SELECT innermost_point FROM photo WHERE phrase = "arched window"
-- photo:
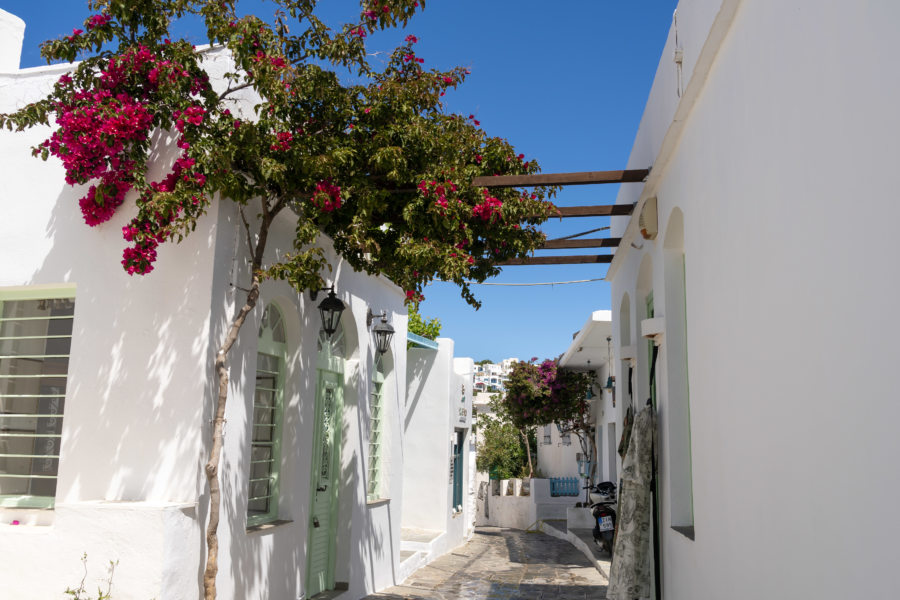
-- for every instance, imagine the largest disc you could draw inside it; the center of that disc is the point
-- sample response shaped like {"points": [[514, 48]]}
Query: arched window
{"points": [[265, 441]]}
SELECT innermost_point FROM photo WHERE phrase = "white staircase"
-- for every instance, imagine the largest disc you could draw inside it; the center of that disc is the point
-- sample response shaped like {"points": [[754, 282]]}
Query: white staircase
{"points": [[417, 549]]}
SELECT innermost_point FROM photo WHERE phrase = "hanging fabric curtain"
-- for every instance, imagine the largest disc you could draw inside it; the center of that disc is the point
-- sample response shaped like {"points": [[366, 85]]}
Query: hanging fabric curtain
{"points": [[633, 556], [629, 575]]}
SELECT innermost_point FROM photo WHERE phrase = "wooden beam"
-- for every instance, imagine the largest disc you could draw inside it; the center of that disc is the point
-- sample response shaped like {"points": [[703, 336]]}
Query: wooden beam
{"points": [[583, 178], [602, 210], [560, 260], [582, 243]]}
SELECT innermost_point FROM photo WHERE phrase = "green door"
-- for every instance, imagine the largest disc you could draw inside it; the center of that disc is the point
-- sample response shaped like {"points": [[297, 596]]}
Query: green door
{"points": [[326, 461]]}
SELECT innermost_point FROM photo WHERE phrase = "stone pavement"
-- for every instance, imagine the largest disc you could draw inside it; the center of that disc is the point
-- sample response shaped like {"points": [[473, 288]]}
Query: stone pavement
{"points": [[504, 564]]}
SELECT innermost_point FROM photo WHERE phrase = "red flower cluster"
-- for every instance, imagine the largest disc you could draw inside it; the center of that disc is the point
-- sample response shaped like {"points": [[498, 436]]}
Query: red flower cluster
{"points": [[284, 141], [98, 21], [97, 131], [93, 134], [439, 190], [327, 197], [488, 209]]}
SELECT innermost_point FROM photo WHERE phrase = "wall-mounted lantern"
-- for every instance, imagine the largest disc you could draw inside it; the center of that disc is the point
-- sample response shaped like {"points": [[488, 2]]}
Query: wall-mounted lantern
{"points": [[383, 331], [330, 308]]}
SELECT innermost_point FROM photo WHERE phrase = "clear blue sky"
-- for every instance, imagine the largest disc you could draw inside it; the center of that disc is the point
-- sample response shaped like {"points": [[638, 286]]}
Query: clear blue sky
{"points": [[565, 82]]}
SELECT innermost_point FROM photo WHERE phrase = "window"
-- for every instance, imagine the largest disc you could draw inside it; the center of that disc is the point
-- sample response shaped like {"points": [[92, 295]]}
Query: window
{"points": [[546, 435], [456, 470], [35, 339], [376, 431], [265, 444]]}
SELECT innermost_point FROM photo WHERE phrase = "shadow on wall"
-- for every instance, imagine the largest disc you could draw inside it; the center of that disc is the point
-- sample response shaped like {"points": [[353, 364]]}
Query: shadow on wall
{"points": [[270, 563], [140, 366], [419, 364], [371, 539]]}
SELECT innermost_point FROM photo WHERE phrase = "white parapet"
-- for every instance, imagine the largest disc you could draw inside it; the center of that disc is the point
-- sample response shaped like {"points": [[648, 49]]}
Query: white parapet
{"points": [[12, 33]]}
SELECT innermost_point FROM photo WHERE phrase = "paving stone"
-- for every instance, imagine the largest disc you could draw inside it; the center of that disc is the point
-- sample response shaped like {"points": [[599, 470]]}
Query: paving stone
{"points": [[504, 564]]}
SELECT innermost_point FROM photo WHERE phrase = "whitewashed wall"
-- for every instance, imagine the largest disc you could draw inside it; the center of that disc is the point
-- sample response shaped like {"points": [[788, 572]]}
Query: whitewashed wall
{"points": [[779, 163], [140, 394]]}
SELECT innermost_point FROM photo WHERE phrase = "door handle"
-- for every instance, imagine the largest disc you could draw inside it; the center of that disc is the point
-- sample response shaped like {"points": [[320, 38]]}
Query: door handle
{"points": [[322, 488], [315, 521]]}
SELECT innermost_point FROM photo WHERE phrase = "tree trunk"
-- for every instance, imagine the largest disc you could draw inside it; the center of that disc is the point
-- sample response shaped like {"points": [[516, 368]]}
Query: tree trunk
{"points": [[593, 457], [528, 453], [212, 466], [221, 367]]}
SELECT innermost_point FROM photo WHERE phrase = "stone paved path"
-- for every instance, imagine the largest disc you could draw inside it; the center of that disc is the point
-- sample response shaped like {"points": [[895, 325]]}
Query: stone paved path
{"points": [[504, 564]]}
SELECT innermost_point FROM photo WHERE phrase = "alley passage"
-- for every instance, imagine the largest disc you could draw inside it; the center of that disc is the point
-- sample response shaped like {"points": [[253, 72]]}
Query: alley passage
{"points": [[504, 564]]}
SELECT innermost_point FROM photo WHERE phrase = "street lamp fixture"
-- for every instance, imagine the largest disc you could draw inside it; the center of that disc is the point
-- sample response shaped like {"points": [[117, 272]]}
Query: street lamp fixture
{"points": [[330, 308], [383, 331]]}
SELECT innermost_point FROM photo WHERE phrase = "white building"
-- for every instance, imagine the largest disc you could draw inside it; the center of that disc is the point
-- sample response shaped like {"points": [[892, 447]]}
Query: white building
{"points": [[491, 377], [439, 453], [107, 390], [772, 132], [559, 452]]}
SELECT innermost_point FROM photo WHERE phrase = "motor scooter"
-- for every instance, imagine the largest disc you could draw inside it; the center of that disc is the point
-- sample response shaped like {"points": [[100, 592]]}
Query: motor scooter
{"points": [[603, 496]]}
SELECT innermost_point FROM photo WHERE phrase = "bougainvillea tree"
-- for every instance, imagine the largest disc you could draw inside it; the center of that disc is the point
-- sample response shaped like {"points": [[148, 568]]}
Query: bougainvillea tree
{"points": [[378, 165], [542, 394]]}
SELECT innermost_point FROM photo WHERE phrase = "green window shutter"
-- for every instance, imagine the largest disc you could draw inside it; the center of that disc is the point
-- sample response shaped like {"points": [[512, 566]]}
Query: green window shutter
{"points": [[376, 432], [35, 341], [265, 439], [456, 468]]}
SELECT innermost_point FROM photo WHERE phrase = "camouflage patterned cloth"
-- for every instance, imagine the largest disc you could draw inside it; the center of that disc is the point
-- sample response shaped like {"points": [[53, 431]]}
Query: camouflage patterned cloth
{"points": [[629, 574]]}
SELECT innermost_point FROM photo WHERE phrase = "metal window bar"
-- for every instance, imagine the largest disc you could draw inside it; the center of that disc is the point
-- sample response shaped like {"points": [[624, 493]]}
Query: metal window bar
{"points": [[376, 408]]}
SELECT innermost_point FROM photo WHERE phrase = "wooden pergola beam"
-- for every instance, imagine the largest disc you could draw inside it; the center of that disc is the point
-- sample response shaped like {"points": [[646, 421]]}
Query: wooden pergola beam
{"points": [[600, 210], [582, 178], [560, 260], [582, 243]]}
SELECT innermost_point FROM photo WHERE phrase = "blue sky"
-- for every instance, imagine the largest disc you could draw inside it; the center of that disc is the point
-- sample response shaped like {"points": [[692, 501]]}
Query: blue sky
{"points": [[565, 82]]}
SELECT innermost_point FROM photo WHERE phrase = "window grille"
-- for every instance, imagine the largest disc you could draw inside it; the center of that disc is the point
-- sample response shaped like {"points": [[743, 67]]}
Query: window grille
{"points": [[376, 431], [35, 341], [265, 444]]}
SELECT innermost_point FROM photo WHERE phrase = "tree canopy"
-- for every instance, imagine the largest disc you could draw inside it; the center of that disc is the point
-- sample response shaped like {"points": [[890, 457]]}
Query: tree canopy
{"points": [[379, 166], [540, 394], [377, 163]]}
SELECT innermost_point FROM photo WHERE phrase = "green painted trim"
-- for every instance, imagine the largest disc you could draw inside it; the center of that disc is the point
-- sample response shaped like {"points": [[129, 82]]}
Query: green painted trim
{"points": [[322, 383], [650, 314], [266, 345], [335, 479], [374, 474], [421, 342], [35, 292], [11, 501], [687, 390], [38, 292]]}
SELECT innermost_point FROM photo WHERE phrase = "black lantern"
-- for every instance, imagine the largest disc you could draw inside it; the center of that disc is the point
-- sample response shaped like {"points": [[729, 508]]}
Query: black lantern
{"points": [[331, 308], [383, 331]]}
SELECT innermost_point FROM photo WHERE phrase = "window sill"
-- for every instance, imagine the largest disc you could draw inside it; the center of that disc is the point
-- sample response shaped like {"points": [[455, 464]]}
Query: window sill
{"points": [[685, 530], [377, 502], [267, 526]]}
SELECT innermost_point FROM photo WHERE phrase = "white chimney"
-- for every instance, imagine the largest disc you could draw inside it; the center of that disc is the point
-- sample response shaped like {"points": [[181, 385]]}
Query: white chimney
{"points": [[12, 32]]}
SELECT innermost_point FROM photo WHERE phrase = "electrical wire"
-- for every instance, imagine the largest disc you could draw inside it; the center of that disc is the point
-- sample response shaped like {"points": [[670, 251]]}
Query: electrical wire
{"points": [[575, 235]]}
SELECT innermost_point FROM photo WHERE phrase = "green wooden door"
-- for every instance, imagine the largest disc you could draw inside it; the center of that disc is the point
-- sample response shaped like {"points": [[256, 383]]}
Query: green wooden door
{"points": [[324, 488], [326, 455]]}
